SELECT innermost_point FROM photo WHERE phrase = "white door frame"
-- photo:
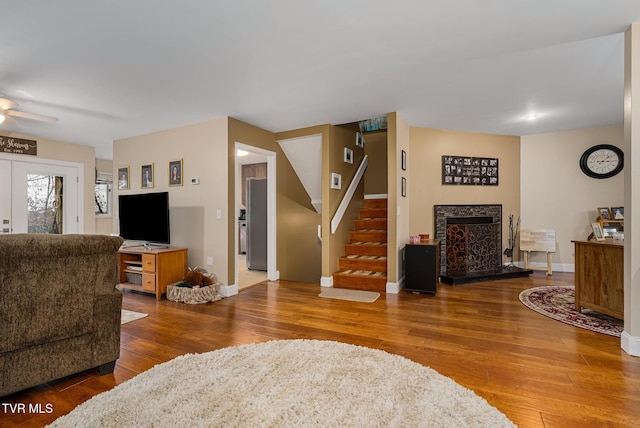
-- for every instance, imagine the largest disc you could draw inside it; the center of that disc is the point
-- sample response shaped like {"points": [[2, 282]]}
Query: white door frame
{"points": [[76, 188], [272, 273]]}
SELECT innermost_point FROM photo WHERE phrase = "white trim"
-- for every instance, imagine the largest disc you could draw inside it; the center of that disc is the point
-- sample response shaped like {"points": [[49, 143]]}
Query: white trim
{"points": [[395, 287], [630, 344], [376, 196], [272, 273], [351, 190], [228, 290], [326, 281]]}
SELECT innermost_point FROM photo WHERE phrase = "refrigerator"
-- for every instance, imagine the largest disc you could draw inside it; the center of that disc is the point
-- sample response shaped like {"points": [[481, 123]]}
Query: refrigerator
{"points": [[256, 204]]}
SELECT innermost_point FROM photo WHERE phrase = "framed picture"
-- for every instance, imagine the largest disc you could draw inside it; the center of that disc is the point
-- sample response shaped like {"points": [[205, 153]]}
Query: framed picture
{"points": [[404, 187], [403, 162], [597, 231], [123, 178], [146, 176], [617, 213], [604, 213], [469, 171], [336, 181], [359, 139], [175, 173], [348, 155]]}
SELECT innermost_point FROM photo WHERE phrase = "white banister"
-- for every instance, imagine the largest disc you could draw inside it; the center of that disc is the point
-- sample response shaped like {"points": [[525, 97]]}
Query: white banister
{"points": [[342, 208]]}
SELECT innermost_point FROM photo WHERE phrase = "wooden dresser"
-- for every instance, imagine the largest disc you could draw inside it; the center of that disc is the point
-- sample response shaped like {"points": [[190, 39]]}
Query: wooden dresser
{"points": [[599, 276]]}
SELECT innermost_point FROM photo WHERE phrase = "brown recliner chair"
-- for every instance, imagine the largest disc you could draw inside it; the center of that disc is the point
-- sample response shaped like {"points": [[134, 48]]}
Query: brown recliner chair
{"points": [[59, 308]]}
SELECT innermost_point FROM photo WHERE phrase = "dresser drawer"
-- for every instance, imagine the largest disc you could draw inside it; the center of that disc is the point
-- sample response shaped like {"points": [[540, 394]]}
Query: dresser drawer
{"points": [[149, 282], [148, 262]]}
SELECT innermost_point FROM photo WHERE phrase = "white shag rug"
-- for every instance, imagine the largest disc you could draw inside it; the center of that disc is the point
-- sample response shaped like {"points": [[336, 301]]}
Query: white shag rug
{"points": [[352, 295], [128, 316], [288, 383]]}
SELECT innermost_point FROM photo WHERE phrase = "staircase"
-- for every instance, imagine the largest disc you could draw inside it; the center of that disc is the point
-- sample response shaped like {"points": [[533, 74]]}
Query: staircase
{"points": [[364, 265]]}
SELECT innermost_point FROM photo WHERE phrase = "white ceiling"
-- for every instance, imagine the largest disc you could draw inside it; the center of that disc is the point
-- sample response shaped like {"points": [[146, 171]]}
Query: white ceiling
{"points": [[121, 68]]}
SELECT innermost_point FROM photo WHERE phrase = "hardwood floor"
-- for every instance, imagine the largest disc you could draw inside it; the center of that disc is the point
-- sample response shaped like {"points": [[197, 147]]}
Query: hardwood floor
{"points": [[539, 372]]}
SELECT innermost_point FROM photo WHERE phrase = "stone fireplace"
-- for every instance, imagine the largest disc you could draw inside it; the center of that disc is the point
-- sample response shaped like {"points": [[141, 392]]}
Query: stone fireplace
{"points": [[471, 243]]}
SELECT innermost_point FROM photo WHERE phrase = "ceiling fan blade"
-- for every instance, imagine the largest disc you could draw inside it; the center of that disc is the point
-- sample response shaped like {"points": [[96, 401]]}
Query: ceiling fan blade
{"points": [[6, 104], [31, 116]]}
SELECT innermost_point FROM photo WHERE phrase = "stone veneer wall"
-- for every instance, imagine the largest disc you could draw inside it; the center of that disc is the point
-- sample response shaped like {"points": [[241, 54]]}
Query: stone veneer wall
{"points": [[442, 212]]}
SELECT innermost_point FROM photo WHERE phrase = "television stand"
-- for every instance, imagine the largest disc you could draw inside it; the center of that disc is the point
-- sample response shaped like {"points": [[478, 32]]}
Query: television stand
{"points": [[150, 270]]}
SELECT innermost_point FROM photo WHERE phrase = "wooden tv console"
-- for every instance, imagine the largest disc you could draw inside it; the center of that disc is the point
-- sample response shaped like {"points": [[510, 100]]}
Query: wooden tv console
{"points": [[150, 271]]}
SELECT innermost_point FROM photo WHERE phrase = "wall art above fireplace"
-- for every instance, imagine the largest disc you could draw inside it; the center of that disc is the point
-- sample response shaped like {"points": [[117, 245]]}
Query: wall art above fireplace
{"points": [[469, 171]]}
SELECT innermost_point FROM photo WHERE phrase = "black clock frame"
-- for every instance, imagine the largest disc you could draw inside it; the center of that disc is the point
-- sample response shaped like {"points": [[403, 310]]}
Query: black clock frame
{"points": [[585, 168]]}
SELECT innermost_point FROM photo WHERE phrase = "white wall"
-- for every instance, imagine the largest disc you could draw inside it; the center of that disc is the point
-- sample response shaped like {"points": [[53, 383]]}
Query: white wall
{"points": [[555, 194]]}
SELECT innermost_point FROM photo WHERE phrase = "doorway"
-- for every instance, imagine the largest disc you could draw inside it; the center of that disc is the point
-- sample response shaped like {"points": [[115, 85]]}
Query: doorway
{"points": [[38, 197], [249, 155]]}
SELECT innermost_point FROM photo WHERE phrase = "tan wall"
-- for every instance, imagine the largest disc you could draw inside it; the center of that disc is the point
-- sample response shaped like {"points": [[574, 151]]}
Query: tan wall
{"points": [[299, 250], [340, 138], [85, 155], [555, 194], [104, 225], [375, 179], [204, 150], [425, 163], [398, 139]]}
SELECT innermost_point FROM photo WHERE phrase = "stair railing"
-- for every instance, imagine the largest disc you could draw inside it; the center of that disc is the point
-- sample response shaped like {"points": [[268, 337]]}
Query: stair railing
{"points": [[351, 190]]}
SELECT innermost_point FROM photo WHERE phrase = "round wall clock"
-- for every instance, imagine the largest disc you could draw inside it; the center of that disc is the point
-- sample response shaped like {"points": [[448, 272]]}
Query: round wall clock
{"points": [[602, 161]]}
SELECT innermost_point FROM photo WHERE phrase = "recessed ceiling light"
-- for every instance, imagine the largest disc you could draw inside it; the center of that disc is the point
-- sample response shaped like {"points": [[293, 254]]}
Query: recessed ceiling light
{"points": [[531, 117]]}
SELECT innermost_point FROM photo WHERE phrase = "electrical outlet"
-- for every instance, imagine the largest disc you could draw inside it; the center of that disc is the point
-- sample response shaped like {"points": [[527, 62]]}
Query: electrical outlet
{"points": [[209, 261]]}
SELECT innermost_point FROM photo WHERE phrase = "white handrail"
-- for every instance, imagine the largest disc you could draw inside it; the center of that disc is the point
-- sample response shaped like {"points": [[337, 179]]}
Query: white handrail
{"points": [[342, 208]]}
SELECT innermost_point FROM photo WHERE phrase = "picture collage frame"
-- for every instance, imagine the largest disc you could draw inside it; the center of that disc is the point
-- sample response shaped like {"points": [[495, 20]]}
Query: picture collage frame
{"points": [[470, 171]]}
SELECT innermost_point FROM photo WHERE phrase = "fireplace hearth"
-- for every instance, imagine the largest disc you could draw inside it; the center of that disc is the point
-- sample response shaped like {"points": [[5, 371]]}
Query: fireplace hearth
{"points": [[471, 244]]}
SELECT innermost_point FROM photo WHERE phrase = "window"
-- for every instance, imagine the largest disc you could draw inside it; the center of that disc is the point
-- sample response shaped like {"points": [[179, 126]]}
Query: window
{"points": [[103, 191]]}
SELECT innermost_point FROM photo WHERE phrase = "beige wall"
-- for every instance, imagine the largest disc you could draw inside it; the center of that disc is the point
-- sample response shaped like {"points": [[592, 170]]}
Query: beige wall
{"points": [[342, 137], [425, 162], [299, 250], [398, 139], [555, 194], [85, 155], [375, 179], [204, 150]]}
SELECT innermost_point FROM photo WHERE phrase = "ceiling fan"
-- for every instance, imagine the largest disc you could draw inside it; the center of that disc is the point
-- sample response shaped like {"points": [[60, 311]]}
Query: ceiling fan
{"points": [[8, 112]]}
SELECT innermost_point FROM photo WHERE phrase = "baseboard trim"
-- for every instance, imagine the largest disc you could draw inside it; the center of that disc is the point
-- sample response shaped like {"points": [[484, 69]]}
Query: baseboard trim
{"points": [[326, 281], [395, 287], [376, 196], [556, 267], [228, 290], [630, 344]]}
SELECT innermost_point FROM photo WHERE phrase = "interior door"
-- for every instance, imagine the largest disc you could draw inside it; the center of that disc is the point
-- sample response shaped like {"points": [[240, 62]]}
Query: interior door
{"points": [[5, 196], [44, 198]]}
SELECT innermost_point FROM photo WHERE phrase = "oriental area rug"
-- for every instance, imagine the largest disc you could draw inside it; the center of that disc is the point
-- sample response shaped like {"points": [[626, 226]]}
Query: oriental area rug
{"points": [[288, 383], [558, 302]]}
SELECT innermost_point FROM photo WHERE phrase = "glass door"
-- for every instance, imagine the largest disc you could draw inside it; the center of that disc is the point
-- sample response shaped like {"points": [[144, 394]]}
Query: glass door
{"points": [[44, 198]]}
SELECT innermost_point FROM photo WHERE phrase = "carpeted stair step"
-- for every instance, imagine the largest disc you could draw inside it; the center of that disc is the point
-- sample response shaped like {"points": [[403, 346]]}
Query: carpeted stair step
{"points": [[375, 203], [371, 223], [360, 280], [368, 235], [366, 248], [366, 263], [373, 213]]}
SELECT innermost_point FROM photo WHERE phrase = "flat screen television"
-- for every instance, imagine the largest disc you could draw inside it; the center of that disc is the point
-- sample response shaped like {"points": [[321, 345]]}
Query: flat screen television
{"points": [[145, 217]]}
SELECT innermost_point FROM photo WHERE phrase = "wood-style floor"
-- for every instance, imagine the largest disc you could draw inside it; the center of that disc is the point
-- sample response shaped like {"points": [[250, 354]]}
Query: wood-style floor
{"points": [[539, 372]]}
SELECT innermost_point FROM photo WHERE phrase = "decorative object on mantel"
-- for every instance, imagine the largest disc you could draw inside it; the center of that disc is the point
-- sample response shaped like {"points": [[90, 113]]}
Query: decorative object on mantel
{"points": [[288, 383], [414, 239], [469, 171], [598, 234], [558, 302]]}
